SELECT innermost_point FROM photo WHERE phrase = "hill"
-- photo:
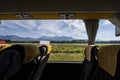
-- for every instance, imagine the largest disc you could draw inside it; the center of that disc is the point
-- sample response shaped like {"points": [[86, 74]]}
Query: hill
{"points": [[17, 38]]}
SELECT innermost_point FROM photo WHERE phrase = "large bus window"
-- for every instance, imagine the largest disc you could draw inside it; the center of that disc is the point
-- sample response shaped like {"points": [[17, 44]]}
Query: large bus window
{"points": [[67, 37]]}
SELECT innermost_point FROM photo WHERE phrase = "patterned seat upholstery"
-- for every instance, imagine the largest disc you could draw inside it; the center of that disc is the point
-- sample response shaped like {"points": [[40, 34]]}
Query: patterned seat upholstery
{"points": [[89, 63], [3, 46], [11, 59], [20, 61], [108, 67]]}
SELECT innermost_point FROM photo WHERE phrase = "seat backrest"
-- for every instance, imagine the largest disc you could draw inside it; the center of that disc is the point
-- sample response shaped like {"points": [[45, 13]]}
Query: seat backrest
{"points": [[11, 59], [31, 53], [90, 62], [3, 46], [45, 52], [34, 62], [91, 53], [108, 67]]}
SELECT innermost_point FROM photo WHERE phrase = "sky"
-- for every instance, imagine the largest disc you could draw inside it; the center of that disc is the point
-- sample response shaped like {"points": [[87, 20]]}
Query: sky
{"points": [[69, 28]]}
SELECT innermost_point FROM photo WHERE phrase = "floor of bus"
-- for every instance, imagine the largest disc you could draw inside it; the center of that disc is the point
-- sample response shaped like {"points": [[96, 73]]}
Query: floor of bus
{"points": [[62, 71]]}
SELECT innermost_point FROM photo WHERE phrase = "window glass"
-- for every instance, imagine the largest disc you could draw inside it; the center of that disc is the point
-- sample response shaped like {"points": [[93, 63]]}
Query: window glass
{"points": [[67, 37]]}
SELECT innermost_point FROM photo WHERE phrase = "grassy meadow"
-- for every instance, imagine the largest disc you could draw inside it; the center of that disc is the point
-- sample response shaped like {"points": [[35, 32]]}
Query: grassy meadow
{"points": [[67, 52]]}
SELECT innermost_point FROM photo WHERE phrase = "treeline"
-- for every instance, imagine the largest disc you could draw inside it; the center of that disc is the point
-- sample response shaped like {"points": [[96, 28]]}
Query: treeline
{"points": [[24, 41], [9, 41], [72, 41], [85, 41], [113, 41]]}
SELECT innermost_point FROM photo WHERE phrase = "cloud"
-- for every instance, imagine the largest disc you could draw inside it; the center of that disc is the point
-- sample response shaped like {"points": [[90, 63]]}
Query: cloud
{"points": [[105, 23], [76, 24], [27, 24], [50, 26], [76, 29], [9, 24], [106, 31], [71, 28], [2, 29], [107, 36]]}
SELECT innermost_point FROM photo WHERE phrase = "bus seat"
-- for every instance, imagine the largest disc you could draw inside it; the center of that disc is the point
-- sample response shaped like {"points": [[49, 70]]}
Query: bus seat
{"points": [[35, 60], [108, 67], [89, 63], [11, 59], [3, 46], [30, 53], [45, 52], [91, 53]]}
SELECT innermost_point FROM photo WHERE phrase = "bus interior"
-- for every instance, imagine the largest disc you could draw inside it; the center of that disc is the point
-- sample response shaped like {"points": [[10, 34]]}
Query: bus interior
{"points": [[30, 62]]}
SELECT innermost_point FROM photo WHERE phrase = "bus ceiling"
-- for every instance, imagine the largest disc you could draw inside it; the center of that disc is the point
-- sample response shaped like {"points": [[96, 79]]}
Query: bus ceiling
{"points": [[58, 9], [82, 6]]}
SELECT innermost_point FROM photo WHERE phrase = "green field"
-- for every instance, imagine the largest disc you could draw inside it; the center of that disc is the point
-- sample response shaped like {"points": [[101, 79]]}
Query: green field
{"points": [[68, 51]]}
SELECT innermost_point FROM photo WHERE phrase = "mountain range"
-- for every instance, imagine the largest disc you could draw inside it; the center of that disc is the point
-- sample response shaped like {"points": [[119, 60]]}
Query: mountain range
{"points": [[17, 38]]}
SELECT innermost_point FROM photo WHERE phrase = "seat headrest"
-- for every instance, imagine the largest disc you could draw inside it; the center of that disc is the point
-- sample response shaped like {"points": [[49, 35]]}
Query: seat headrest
{"points": [[107, 58], [11, 59], [90, 53], [31, 51], [48, 48], [28, 51], [3, 46]]}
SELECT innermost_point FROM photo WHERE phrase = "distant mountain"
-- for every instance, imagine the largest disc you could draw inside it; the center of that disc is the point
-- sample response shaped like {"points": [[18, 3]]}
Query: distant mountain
{"points": [[56, 38], [17, 38]]}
